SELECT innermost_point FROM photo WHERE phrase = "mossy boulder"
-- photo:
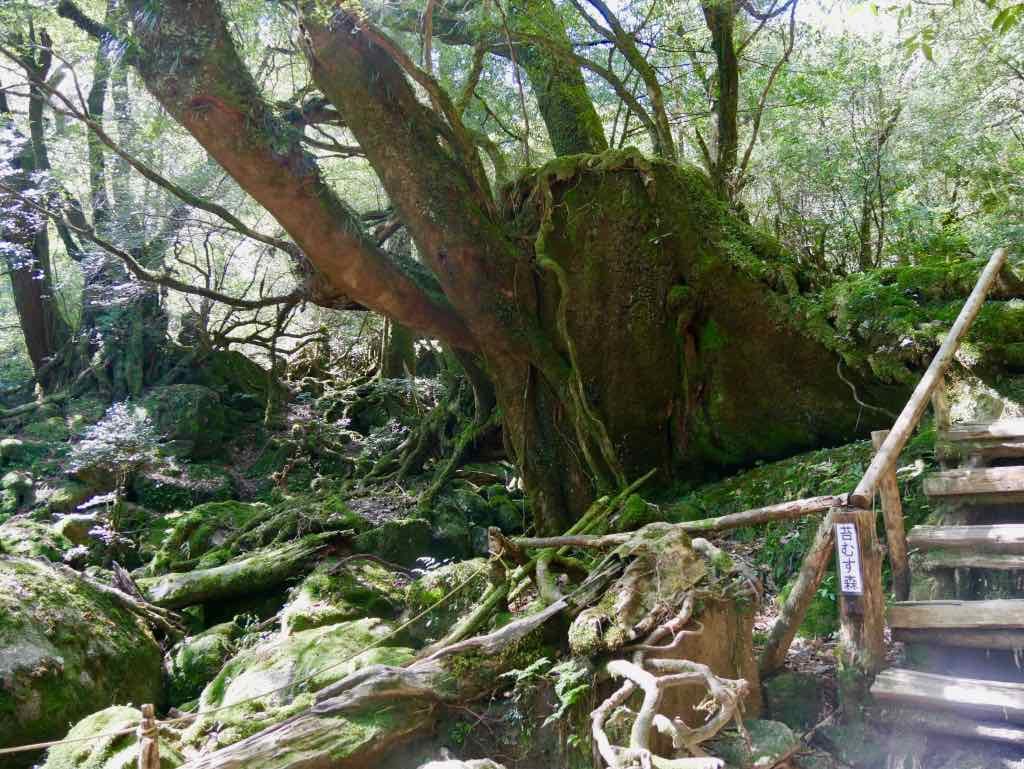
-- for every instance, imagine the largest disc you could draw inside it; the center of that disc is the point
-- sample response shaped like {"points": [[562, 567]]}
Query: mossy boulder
{"points": [[17, 490], [84, 411], [770, 742], [68, 650], [75, 527], [16, 452], [795, 699], [27, 538], [339, 591], [68, 496], [426, 591], [401, 540], [191, 417], [52, 430], [120, 752], [196, 660], [201, 531], [192, 485], [288, 670]]}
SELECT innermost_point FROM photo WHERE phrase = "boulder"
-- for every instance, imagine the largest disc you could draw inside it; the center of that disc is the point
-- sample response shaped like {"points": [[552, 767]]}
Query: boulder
{"points": [[75, 527], [17, 490], [401, 540], [199, 532], [120, 752], [29, 539], [68, 497], [770, 742], [275, 679], [196, 660], [190, 416], [426, 591], [52, 430], [68, 650], [339, 591], [14, 451], [158, 490], [795, 699]]}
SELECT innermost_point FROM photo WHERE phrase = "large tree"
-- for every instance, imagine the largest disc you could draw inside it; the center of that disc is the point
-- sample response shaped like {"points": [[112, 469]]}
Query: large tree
{"points": [[625, 318]]}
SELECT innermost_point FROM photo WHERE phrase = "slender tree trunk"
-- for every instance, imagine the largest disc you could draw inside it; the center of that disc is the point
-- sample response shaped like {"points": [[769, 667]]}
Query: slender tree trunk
{"points": [[720, 18], [24, 233]]}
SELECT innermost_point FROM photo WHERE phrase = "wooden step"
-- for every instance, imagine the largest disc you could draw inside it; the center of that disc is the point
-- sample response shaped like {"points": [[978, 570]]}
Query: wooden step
{"points": [[1004, 639], [966, 560], [992, 701], [957, 615], [1003, 538], [985, 440], [987, 485], [952, 725]]}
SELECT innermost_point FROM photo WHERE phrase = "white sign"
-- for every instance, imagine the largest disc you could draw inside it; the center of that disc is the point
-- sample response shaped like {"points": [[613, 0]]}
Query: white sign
{"points": [[848, 558]]}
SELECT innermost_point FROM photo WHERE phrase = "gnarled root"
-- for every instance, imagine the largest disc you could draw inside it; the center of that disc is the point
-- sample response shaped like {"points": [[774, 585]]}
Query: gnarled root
{"points": [[654, 677]]}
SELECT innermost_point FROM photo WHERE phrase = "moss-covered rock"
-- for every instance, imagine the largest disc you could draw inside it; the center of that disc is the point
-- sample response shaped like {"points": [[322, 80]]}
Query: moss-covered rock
{"points": [[17, 490], [196, 660], [24, 537], [190, 416], [426, 591], [75, 527], [52, 430], [120, 752], [795, 699], [68, 650], [16, 452], [68, 496], [84, 411], [200, 531], [289, 669], [192, 485], [339, 591], [401, 540], [770, 741]]}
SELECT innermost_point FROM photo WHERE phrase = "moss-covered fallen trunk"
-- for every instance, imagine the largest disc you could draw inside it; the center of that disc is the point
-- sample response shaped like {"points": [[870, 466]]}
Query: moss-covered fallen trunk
{"points": [[262, 570]]}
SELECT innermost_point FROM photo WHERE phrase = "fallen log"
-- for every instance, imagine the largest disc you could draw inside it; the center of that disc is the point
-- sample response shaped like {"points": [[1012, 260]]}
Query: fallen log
{"points": [[262, 570]]}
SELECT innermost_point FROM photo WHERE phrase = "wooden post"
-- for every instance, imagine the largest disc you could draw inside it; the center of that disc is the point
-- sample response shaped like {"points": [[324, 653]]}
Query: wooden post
{"points": [[940, 405], [861, 602], [911, 414], [895, 533], [149, 740], [812, 571]]}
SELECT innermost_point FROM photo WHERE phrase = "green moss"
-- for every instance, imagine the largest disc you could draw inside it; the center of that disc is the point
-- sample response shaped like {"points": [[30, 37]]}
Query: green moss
{"points": [[199, 531], [342, 591], [196, 484], [191, 415], [68, 496], [401, 540], [427, 590], [292, 668], [24, 537], [195, 661], [52, 430], [53, 672], [121, 752]]}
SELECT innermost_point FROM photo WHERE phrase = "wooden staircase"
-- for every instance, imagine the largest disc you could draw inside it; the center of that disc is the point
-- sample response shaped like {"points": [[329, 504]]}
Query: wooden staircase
{"points": [[964, 628]]}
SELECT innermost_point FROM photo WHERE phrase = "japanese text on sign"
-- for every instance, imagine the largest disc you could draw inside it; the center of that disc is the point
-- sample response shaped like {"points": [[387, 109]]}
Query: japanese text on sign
{"points": [[848, 557]]}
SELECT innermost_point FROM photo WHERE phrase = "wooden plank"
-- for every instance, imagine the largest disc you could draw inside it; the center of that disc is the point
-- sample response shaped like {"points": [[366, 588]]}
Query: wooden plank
{"points": [[961, 559], [952, 725], [1002, 638], [981, 431], [992, 700], [987, 484], [895, 532], [972, 615], [1003, 448], [1002, 538], [912, 411]]}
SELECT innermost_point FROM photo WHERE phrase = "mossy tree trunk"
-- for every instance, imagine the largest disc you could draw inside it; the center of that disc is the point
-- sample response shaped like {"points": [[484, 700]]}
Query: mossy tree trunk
{"points": [[625, 318]]}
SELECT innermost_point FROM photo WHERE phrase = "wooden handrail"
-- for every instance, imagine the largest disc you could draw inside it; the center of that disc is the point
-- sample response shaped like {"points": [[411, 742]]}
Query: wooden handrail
{"points": [[911, 414]]}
